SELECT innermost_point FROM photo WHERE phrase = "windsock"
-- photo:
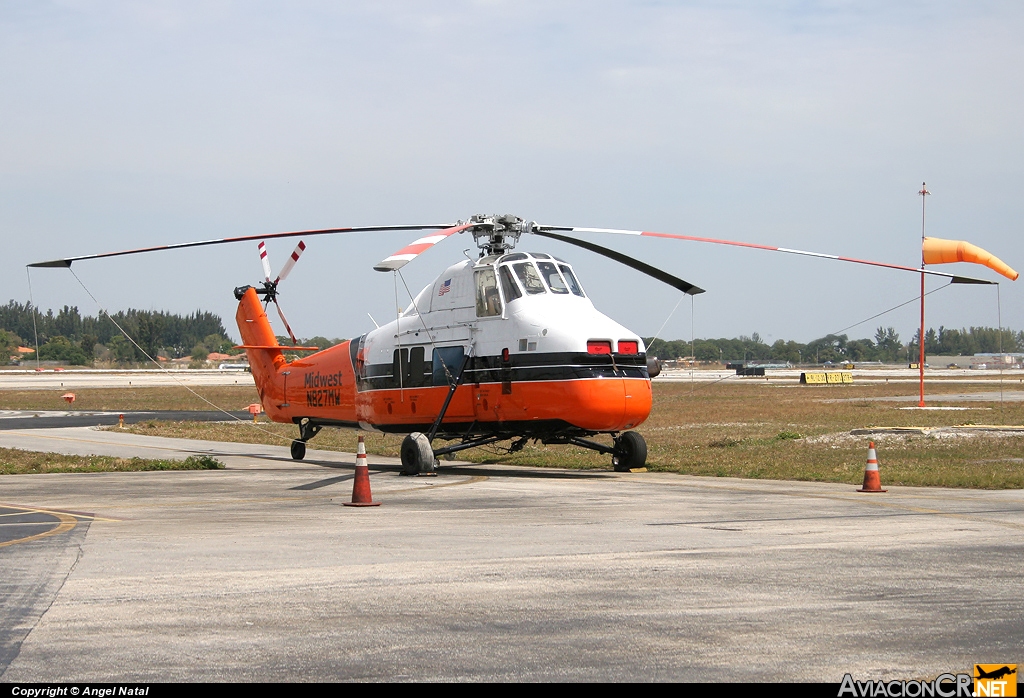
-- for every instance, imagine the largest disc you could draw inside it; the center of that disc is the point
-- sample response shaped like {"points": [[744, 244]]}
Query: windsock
{"points": [[939, 251]]}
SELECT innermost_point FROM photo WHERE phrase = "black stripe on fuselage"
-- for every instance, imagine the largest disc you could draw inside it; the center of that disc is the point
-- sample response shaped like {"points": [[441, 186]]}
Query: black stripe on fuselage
{"points": [[519, 368]]}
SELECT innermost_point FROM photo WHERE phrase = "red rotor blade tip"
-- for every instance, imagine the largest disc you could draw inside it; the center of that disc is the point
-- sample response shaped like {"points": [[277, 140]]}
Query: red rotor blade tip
{"points": [[265, 260], [286, 270]]}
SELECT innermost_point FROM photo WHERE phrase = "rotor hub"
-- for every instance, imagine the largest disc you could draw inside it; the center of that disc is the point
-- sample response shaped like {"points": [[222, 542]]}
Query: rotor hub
{"points": [[496, 235]]}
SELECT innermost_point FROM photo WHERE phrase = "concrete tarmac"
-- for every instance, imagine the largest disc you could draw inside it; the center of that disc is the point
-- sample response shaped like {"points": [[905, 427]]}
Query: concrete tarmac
{"points": [[490, 573]]}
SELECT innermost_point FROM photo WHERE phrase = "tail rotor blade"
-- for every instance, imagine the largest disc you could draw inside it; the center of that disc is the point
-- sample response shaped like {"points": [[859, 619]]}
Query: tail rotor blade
{"points": [[265, 260], [287, 269], [285, 321]]}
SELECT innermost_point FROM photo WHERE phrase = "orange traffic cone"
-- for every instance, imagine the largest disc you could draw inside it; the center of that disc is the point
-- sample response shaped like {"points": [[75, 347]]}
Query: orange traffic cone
{"points": [[872, 481], [361, 496]]}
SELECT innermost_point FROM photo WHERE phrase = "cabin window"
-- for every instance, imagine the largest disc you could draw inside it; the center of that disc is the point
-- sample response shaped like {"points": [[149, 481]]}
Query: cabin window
{"points": [[508, 285], [550, 273], [528, 275], [488, 302], [408, 368], [570, 279]]}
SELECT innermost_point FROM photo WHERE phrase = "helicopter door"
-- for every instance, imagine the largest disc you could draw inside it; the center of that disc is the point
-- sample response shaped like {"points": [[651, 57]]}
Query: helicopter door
{"points": [[446, 365], [447, 362]]}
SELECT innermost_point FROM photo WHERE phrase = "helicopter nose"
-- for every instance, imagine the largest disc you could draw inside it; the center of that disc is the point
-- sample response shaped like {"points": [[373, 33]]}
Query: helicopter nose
{"points": [[613, 404]]}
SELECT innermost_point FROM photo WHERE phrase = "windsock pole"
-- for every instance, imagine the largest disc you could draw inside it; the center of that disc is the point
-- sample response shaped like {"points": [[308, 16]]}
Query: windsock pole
{"points": [[920, 360]]}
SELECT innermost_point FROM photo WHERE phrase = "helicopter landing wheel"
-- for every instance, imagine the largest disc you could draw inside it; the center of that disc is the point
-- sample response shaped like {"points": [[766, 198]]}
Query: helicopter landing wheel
{"points": [[417, 455], [630, 452], [298, 449]]}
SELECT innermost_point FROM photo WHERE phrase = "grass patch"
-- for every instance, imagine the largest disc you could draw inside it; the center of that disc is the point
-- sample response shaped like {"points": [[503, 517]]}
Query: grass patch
{"points": [[18, 462]]}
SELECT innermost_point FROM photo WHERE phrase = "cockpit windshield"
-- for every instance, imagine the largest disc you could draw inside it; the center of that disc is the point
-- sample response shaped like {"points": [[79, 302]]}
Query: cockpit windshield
{"points": [[529, 277], [570, 279], [556, 276], [549, 272]]}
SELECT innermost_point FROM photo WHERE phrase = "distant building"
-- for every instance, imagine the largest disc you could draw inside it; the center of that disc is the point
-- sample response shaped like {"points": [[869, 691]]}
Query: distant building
{"points": [[978, 361]]}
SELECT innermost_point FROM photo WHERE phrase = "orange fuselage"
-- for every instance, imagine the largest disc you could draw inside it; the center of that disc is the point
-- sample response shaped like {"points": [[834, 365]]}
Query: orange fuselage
{"points": [[324, 387]]}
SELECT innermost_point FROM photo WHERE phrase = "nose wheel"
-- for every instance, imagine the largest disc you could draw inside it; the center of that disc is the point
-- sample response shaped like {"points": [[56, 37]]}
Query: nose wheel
{"points": [[630, 451]]}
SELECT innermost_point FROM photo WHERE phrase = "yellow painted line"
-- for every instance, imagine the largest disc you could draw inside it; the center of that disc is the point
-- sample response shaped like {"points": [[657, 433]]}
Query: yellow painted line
{"points": [[67, 523], [52, 512]]}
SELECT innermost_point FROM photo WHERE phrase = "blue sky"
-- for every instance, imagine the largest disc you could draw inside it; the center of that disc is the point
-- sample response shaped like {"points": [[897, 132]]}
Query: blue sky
{"points": [[802, 124]]}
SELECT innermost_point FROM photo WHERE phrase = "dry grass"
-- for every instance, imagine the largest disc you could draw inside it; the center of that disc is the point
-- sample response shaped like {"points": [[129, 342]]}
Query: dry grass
{"points": [[754, 430]]}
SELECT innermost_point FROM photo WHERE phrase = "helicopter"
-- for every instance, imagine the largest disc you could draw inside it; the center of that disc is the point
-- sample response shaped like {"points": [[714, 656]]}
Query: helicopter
{"points": [[504, 347]]}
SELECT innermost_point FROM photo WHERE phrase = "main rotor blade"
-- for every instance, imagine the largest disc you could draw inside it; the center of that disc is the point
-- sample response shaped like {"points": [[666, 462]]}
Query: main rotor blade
{"points": [[953, 277], [265, 260], [66, 262], [291, 262], [654, 272], [417, 247]]}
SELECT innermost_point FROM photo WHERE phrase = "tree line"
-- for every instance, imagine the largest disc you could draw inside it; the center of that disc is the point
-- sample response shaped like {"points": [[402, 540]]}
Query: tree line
{"points": [[72, 338], [885, 347]]}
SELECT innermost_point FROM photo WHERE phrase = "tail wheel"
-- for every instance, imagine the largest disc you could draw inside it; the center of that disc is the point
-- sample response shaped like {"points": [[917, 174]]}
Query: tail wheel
{"points": [[630, 452], [298, 450], [417, 455]]}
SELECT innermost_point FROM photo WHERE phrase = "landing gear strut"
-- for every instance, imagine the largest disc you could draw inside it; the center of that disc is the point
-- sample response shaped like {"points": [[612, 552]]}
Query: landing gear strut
{"points": [[417, 453], [307, 430], [628, 451]]}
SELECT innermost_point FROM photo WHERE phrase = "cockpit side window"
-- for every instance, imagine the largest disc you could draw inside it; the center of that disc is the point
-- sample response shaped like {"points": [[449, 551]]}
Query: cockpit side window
{"points": [[488, 302], [508, 284], [549, 272], [570, 279], [528, 275]]}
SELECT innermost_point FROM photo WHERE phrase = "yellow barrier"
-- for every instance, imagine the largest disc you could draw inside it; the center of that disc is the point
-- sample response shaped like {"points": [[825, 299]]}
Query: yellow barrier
{"points": [[823, 378]]}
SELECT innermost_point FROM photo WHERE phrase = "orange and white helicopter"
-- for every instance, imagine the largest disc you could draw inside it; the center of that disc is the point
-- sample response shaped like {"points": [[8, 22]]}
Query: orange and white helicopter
{"points": [[504, 347]]}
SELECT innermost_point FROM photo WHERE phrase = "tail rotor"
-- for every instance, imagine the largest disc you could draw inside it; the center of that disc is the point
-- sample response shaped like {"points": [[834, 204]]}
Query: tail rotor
{"points": [[269, 290]]}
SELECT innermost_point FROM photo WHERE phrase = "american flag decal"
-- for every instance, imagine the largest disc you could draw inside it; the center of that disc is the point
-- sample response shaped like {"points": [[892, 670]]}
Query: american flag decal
{"points": [[445, 287]]}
